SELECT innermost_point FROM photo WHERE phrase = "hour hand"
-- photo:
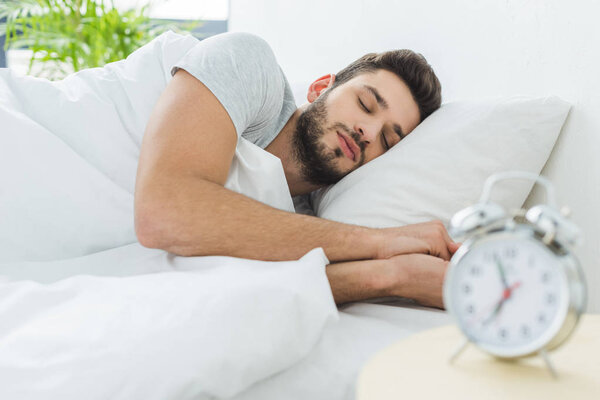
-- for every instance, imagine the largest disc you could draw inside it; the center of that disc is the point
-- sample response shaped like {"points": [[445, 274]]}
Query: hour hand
{"points": [[494, 313]]}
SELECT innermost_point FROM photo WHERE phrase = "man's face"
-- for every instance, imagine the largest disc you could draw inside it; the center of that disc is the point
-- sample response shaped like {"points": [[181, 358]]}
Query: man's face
{"points": [[352, 124]]}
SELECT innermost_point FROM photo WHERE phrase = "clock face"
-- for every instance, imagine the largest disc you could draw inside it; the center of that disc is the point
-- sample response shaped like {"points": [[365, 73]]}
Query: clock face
{"points": [[509, 294]]}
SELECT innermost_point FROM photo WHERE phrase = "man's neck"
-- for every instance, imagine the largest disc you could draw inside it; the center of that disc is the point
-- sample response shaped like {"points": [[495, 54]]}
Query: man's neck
{"points": [[283, 148]]}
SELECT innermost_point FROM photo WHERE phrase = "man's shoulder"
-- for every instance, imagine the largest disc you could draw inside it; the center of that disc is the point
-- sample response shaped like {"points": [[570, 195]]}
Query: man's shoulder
{"points": [[243, 37], [241, 42]]}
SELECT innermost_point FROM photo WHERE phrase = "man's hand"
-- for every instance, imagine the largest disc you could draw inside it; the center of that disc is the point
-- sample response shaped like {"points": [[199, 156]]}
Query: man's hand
{"points": [[415, 276], [425, 238]]}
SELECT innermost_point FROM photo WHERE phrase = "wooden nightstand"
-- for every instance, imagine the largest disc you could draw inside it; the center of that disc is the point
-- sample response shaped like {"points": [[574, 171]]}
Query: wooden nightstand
{"points": [[418, 368]]}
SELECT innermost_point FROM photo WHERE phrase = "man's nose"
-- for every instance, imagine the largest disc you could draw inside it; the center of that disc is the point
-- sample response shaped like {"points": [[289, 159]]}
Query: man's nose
{"points": [[368, 132]]}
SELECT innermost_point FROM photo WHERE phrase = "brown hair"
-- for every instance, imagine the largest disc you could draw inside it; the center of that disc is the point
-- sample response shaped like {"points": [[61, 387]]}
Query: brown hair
{"points": [[409, 66]]}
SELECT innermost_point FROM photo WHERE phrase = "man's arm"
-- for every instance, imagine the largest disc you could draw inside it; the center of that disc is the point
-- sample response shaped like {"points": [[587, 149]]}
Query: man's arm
{"points": [[416, 276], [181, 205]]}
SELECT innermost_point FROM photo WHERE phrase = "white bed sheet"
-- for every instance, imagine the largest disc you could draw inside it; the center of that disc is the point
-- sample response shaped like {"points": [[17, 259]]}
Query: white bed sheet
{"points": [[331, 370]]}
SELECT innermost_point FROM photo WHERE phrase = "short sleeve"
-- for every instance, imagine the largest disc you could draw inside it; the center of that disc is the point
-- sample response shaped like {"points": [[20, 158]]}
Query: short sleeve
{"points": [[240, 69]]}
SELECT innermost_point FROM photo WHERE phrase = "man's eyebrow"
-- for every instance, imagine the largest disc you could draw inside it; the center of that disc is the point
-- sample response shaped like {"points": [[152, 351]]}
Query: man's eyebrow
{"points": [[384, 104], [380, 100]]}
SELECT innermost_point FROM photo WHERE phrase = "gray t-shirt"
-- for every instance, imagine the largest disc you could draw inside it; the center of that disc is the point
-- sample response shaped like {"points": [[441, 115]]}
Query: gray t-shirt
{"points": [[240, 69]]}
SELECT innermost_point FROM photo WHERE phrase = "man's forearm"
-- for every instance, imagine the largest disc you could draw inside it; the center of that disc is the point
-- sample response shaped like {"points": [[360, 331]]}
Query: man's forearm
{"points": [[357, 280], [203, 218], [415, 276]]}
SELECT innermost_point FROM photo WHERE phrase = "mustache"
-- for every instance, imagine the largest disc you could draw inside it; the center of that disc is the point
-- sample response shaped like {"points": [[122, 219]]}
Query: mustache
{"points": [[350, 132]]}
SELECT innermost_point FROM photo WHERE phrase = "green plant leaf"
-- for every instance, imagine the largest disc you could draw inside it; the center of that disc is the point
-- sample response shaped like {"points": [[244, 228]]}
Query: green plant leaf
{"points": [[78, 33]]}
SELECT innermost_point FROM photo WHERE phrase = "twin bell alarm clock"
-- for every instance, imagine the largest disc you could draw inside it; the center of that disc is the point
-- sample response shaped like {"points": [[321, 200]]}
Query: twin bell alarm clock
{"points": [[514, 287]]}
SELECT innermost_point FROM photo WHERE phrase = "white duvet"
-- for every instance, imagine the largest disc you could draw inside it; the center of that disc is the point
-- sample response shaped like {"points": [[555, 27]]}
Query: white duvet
{"points": [[86, 312], [193, 328]]}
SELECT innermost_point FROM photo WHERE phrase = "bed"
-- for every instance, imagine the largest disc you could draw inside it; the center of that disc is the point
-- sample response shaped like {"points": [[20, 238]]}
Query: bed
{"points": [[88, 311]]}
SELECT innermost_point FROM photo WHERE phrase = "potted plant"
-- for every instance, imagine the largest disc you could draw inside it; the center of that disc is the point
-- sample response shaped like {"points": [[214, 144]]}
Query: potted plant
{"points": [[69, 35]]}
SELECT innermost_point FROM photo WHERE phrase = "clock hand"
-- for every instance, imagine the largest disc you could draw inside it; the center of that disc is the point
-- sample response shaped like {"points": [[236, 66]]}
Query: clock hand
{"points": [[506, 293], [502, 274], [486, 311], [513, 287], [494, 313]]}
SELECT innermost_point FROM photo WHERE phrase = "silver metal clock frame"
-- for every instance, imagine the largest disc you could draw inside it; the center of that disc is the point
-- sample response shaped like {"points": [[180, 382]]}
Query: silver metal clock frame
{"points": [[573, 274]]}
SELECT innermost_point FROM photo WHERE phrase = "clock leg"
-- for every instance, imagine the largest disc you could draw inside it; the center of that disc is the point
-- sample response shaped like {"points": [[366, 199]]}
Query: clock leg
{"points": [[549, 237], [458, 350], [544, 355]]}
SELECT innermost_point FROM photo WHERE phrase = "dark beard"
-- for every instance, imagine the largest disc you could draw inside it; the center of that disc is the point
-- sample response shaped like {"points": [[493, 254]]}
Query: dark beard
{"points": [[317, 164]]}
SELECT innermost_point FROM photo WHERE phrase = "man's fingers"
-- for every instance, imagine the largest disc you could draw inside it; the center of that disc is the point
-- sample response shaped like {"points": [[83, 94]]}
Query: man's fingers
{"points": [[413, 245], [444, 253], [410, 245], [404, 245], [453, 247], [422, 278], [441, 239], [426, 238], [436, 249]]}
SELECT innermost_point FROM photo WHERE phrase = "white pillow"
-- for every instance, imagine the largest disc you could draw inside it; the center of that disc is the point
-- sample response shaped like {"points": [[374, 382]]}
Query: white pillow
{"points": [[441, 166]]}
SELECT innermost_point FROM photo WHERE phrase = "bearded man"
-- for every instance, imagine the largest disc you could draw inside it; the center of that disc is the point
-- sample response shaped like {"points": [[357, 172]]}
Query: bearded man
{"points": [[230, 86]]}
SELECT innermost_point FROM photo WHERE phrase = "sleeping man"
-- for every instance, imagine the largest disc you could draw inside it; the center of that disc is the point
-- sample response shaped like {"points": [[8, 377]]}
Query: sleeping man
{"points": [[230, 86]]}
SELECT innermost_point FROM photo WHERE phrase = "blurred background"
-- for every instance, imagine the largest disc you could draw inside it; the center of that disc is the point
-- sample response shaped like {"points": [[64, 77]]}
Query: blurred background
{"points": [[52, 38]]}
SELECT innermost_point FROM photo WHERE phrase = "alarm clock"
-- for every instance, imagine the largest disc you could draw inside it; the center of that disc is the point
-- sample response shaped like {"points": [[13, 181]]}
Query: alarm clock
{"points": [[514, 287]]}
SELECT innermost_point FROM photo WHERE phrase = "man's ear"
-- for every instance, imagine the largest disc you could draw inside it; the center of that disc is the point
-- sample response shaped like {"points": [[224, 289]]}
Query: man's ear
{"points": [[319, 86]]}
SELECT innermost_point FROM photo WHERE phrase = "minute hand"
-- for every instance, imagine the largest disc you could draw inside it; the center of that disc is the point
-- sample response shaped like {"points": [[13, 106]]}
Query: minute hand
{"points": [[502, 274]]}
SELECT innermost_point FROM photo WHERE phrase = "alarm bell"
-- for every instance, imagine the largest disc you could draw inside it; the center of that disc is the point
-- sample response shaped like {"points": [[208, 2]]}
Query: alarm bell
{"points": [[486, 215], [553, 225], [476, 217]]}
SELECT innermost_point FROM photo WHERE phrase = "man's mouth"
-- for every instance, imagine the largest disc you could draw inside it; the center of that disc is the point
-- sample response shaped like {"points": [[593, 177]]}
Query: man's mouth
{"points": [[349, 147]]}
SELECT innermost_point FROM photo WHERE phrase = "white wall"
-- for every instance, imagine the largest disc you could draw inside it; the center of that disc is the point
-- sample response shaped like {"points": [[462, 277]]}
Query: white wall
{"points": [[479, 48], [180, 9]]}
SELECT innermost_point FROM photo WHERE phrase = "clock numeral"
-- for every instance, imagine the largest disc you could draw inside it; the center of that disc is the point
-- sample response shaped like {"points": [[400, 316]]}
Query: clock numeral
{"points": [[466, 288], [510, 252], [546, 277], [475, 270], [503, 334], [470, 309], [525, 331], [550, 298], [541, 318]]}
